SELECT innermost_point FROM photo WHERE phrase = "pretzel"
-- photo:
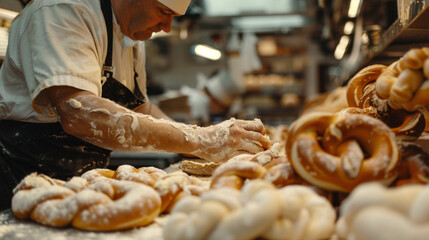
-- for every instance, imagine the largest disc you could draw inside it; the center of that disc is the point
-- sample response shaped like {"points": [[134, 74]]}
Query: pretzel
{"points": [[35, 180], [361, 93], [196, 217], [339, 151], [174, 186], [373, 211], [303, 215], [145, 175], [259, 210], [100, 206], [357, 88], [235, 171], [404, 82], [414, 165]]}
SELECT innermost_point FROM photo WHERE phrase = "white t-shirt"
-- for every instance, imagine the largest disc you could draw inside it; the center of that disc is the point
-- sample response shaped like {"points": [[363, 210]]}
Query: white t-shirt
{"points": [[61, 43]]}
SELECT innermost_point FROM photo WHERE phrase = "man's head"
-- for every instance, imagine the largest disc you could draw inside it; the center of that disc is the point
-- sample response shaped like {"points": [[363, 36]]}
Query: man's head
{"points": [[140, 18]]}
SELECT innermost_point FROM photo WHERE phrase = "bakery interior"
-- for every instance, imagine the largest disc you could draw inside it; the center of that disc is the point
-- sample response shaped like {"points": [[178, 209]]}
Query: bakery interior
{"points": [[296, 58]]}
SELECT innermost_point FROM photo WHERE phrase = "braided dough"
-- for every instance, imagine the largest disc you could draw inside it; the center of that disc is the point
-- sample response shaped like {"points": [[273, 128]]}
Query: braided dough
{"points": [[99, 206], [258, 210], [340, 151], [404, 84], [374, 212]]}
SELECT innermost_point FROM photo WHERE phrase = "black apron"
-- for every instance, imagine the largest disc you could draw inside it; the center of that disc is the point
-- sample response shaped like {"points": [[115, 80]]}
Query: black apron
{"points": [[46, 148]]}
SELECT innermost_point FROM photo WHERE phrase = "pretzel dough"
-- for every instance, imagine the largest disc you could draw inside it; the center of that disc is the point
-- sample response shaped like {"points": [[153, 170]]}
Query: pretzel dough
{"points": [[374, 212], [198, 167], [259, 210]]}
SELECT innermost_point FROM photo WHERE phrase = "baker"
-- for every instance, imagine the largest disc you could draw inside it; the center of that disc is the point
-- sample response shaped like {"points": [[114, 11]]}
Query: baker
{"points": [[73, 88]]}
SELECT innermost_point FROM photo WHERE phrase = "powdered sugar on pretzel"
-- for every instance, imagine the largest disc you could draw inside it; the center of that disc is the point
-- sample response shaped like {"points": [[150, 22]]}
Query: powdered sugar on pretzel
{"points": [[340, 151], [374, 212]]}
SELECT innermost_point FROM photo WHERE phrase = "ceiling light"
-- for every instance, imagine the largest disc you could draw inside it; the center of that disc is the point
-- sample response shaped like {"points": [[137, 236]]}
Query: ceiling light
{"points": [[354, 8], [206, 52], [341, 47], [348, 27]]}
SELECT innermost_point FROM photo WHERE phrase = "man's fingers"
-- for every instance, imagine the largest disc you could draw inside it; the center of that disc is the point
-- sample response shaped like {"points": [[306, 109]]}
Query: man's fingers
{"points": [[250, 146], [258, 139], [255, 126]]}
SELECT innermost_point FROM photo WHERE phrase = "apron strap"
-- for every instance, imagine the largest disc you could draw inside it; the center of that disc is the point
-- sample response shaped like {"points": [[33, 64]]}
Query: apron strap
{"points": [[106, 8], [113, 89]]}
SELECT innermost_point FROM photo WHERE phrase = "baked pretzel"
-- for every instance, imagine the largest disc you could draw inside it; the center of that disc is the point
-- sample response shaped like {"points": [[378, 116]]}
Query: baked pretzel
{"points": [[357, 87], [361, 93], [145, 175], [99, 206], [174, 186], [404, 84], [414, 165], [373, 212], [339, 151], [235, 171]]}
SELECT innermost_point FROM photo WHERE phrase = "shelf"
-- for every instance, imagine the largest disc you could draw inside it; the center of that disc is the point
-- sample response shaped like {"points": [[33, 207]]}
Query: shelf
{"points": [[410, 30]]}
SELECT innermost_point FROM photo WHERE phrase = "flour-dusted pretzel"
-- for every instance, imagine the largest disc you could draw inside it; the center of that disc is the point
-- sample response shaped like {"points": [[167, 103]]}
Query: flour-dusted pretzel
{"points": [[340, 151], [100, 206], [145, 175], [174, 186], [304, 215], [405, 84], [24, 201], [35, 180], [194, 218], [132, 204], [375, 212]]}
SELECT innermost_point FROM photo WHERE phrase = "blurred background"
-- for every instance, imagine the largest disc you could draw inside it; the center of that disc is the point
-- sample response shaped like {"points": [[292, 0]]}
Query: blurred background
{"points": [[266, 59]]}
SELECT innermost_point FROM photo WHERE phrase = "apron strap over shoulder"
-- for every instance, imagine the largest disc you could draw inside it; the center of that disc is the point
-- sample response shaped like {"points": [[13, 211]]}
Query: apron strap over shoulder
{"points": [[113, 89]]}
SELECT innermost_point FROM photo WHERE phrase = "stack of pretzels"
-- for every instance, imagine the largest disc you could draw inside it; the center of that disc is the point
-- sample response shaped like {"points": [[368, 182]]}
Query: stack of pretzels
{"points": [[103, 199]]}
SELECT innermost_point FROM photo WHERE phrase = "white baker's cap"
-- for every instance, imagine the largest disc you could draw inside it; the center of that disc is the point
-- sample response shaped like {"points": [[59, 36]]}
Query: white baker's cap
{"points": [[178, 6]]}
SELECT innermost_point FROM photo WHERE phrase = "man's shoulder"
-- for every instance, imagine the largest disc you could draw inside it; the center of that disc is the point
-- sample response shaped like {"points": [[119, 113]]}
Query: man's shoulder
{"points": [[89, 4]]}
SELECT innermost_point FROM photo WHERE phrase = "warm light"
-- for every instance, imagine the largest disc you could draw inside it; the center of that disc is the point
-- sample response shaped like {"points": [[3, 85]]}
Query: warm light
{"points": [[4, 13], [206, 52], [160, 34], [354, 8], [341, 47], [348, 27]]}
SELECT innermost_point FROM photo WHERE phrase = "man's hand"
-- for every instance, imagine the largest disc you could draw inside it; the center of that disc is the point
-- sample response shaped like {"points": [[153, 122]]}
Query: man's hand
{"points": [[232, 137]]}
